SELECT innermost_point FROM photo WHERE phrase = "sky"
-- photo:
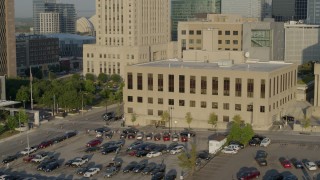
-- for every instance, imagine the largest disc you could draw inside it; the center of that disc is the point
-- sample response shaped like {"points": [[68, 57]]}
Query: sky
{"points": [[23, 8]]}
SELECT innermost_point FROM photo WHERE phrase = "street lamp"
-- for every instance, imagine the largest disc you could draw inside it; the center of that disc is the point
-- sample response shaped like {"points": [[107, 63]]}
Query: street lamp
{"points": [[170, 118], [175, 124]]}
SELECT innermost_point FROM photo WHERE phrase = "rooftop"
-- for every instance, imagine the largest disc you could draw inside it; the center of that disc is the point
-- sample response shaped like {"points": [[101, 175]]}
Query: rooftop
{"points": [[70, 36], [250, 66]]}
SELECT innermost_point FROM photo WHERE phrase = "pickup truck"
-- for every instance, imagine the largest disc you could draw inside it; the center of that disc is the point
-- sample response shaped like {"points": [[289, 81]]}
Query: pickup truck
{"points": [[80, 161], [39, 158]]}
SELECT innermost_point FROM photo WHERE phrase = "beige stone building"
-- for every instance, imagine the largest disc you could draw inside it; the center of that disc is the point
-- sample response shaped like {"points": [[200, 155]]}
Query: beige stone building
{"points": [[129, 32], [257, 91], [7, 39]]}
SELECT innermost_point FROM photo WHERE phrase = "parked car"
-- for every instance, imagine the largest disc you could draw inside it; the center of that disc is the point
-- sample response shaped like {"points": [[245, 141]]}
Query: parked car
{"points": [[175, 137], [109, 134], [130, 166], [177, 149], [140, 166], [184, 138], [205, 155], [69, 162], [296, 163], [285, 162], [150, 146], [40, 157], [171, 146], [130, 130], [229, 151], [158, 176], [115, 163], [82, 170], [255, 142], [161, 148], [133, 152], [45, 144], [91, 172], [157, 137], [102, 130], [261, 161], [120, 143], [92, 149], [51, 166], [29, 158], [108, 116], [171, 175], [166, 137], [70, 134], [311, 166], [131, 135], [109, 149], [45, 162], [154, 154], [123, 135], [265, 142], [29, 150], [140, 136], [134, 144], [186, 132], [107, 144], [159, 168], [150, 167], [248, 175], [149, 136], [10, 159], [80, 161], [141, 153], [94, 142], [236, 143], [111, 171], [58, 139], [233, 146]]}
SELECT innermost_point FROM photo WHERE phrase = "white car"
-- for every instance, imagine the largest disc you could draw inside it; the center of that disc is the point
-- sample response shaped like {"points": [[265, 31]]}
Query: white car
{"points": [[29, 150], [233, 146], [99, 134], [175, 138], [39, 158], [229, 151], [80, 161], [140, 136], [91, 172], [265, 142], [310, 165], [177, 149], [154, 154]]}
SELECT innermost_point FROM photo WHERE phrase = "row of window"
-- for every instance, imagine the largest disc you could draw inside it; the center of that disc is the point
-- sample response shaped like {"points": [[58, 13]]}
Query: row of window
{"points": [[198, 32]]}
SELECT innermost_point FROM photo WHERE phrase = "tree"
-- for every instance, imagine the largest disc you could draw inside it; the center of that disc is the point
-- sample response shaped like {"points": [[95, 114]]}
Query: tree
{"points": [[89, 86], [116, 78], [52, 75], [91, 77], [240, 132], [11, 122], [188, 160], [165, 116], [188, 118], [23, 95], [103, 78], [237, 119], [133, 118], [75, 77], [213, 119], [22, 116], [118, 111]]}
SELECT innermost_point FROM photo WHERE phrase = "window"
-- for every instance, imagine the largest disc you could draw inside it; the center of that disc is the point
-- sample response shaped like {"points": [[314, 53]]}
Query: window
{"points": [[219, 41], [227, 41], [130, 99], [139, 81], [191, 41], [160, 101], [198, 41], [225, 118], [250, 107], [130, 85], [198, 32], [160, 112], [235, 33], [238, 87], [171, 101], [139, 99], [226, 106], [235, 41], [150, 112], [183, 32], [191, 32], [237, 107], [215, 86], [171, 83], [214, 105], [150, 82], [227, 32], [226, 86], [250, 87], [263, 89], [160, 82], [192, 103], [181, 102], [262, 109], [181, 84], [203, 85], [130, 110], [203, 104], [150, 100], [219, 32], [192, 84]]}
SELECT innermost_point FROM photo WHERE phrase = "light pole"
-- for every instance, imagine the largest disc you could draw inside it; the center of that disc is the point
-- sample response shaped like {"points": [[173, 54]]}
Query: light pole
{"points": [[175, 125], [170, 118], [82, 104]]}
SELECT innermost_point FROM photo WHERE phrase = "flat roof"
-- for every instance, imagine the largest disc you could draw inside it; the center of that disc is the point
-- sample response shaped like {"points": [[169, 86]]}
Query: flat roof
{"points": [[70, 36], [8, 103], [249, 66]]}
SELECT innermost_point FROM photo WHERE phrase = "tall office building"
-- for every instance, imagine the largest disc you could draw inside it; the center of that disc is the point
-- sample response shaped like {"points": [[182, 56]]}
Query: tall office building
{"points": [[285, 10], [128, 32], [182, 10], [313, 16], [49, 23], [7, 39], [245, 8], [67, 15]]}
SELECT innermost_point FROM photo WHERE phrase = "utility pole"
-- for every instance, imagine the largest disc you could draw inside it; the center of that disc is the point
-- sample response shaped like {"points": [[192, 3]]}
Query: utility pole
{"points": [[31, 89]]}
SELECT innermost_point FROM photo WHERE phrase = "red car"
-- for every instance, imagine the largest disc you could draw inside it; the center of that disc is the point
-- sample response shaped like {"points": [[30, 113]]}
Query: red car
{"points": [[248, 175], [166, 136], [29, 158], [94, 143], [285, 162], [184, 139], [132, 153], [45, 144]]}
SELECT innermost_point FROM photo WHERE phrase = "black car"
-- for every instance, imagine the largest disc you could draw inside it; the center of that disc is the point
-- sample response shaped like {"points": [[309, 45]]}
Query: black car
{"points": [[159, 168], [10, 159], [123, 135], [158, 176], [102, 130], [260, 137], [255, 142], [92, 149], [134, 144], [160, 148], [151, 147], [69, 163], [237, 143], [142, 146], [139, 167], [186, 132], [58, 139], [130, 130], [261, 158], [51, 166], [130, 166], [261, 161], [70, 134], [171, 175], [108, 116], [205, 155], [142, 153], [120, 143], [44, 164], [109, 149], [108, 144], [150, 167], [109, 134], [157, 137], [274, 177], [82, 170], [171, 146], [296, 163]]}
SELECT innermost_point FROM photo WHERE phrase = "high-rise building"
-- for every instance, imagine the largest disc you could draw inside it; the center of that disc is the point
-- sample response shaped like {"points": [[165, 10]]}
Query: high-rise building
{"points": [[49, 23], [182, 10], [285, 10], [67, 16], [7, 39], [313, 16], [245, 8], [128, 32]]}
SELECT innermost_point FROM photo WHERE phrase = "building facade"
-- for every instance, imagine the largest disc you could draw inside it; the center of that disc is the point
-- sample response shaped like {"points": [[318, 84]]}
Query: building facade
{"points": [[301, 43], [36, 51], [289, 10], [182, 10], [128, 32], [245, 8], [39, 7], [258, 92], [49, 23], [313, 16], [7, 39]]}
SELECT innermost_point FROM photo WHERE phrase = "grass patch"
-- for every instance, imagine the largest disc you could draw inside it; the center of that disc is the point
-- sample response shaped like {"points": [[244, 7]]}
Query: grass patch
{"points": [[8, 134], [306, 79]]}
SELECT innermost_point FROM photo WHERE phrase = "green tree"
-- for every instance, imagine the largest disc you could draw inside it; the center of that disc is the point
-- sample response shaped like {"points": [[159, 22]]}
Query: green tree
{"points": [[22, 116], [103, 78], [116, 78], [75, 77], [11, 123], [52, 75], [23, 95], [91, 77], [213, 119], [247, 133], [89, 86], [188, 160], [237, 119], [188, 118], [165, 116], [240, 132], [118, 110], [133, 118]]}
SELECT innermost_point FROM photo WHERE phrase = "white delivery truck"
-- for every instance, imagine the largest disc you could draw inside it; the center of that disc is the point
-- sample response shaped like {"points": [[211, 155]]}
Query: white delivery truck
{"points": [[216, 142]]}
